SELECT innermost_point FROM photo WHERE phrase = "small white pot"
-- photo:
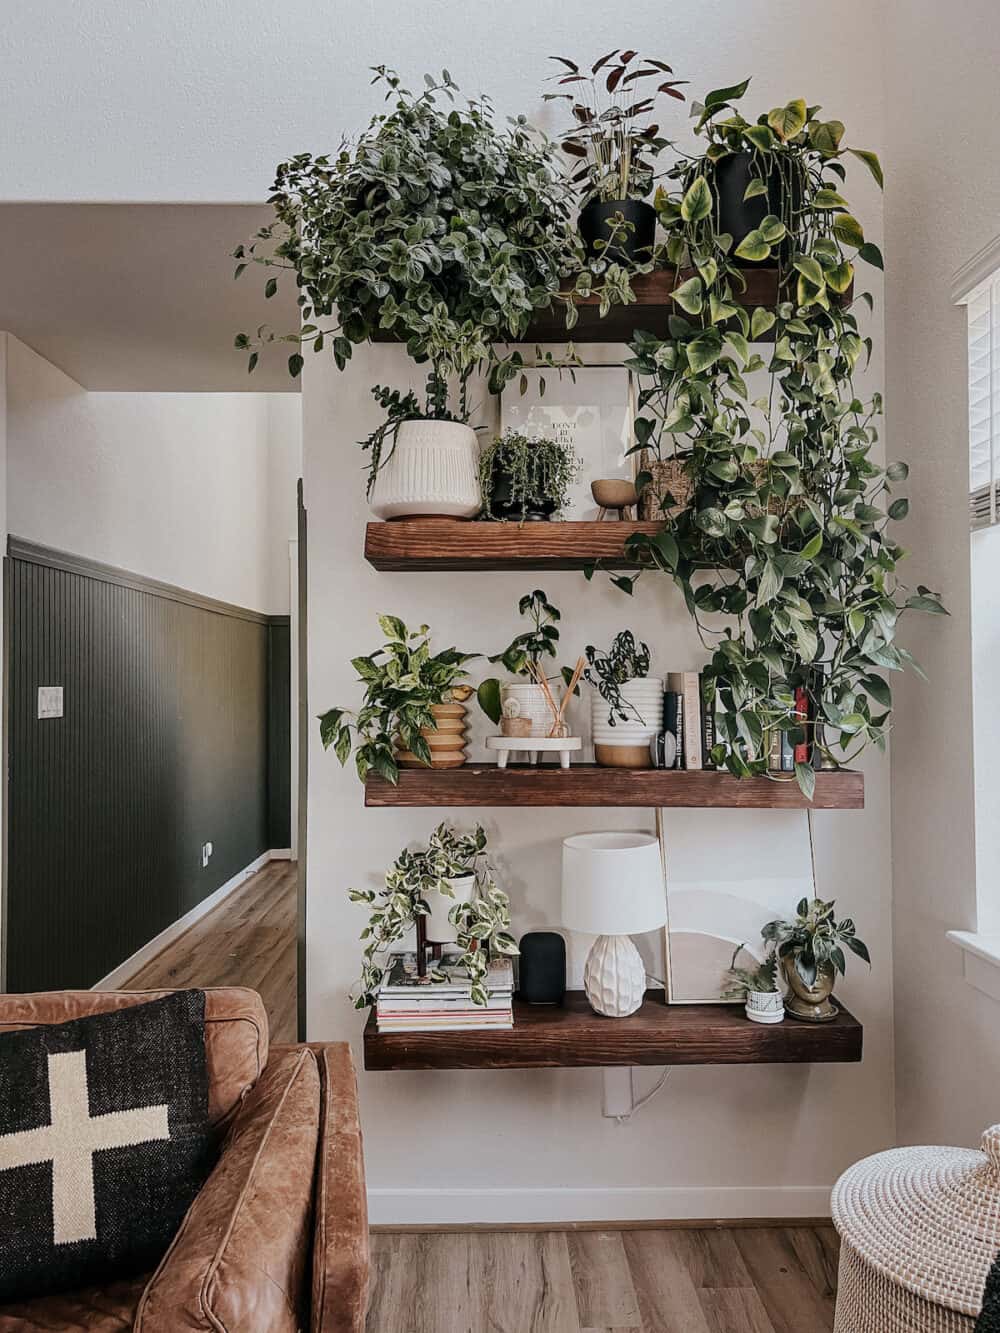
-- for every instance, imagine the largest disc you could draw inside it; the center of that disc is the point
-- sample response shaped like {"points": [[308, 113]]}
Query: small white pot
{"points": [[646, 699], [765, 1006], [529, 701], [439, 928], [433, 470]]}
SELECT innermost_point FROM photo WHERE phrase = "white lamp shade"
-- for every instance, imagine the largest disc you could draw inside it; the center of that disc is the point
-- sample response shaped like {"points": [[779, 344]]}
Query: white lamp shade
{"points": [[612, 884]]}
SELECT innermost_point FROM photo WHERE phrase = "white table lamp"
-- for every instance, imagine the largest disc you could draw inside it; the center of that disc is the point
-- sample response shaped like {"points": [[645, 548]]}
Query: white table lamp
{"points": [[612, 887]]}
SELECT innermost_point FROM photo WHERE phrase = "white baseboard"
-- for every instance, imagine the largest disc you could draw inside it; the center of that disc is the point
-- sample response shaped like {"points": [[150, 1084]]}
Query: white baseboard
{"points": [[177, 928], [402, 1207]]}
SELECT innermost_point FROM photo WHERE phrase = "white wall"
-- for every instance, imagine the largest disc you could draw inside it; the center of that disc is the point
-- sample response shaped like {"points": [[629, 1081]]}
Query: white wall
{"points": [[496, 1146], [942, 207], [193, 489]]}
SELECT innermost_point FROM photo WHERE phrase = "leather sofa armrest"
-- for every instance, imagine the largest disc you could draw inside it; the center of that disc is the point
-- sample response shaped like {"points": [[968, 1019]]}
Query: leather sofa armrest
{"points": [[340, 1229], [240, 1258]]}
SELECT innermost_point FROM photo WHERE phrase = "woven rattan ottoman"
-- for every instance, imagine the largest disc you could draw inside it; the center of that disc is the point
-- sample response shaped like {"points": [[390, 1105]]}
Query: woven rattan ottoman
{"points": [[919, 1231]]}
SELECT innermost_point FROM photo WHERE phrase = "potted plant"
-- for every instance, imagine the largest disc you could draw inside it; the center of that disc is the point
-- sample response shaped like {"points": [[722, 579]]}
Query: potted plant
{"points": [[811, 951], [763, 169], [526, 479], [627, 704], [438, 228], [756, 987], [413, 710], [523, 657], [616, 141], [778, 522], [450, 885]]}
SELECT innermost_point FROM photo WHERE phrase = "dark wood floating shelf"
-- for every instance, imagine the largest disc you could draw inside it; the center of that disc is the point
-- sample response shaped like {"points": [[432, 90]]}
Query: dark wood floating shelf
{"points": [[545, 1037], [586, 784], [652, 307], [422, 544]]}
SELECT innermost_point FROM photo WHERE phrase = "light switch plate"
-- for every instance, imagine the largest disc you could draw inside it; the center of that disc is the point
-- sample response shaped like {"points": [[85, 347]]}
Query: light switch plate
{"points": [[50, 701]]}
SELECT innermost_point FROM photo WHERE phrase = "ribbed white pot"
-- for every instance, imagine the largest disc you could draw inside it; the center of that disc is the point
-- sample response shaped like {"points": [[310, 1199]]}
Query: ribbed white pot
{"points": [[433, 470], [439, 928], [646, 698], [529, 701]]}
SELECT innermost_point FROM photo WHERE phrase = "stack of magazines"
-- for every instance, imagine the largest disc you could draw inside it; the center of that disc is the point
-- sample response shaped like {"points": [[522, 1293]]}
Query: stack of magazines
{"points": [[407, 1002]]}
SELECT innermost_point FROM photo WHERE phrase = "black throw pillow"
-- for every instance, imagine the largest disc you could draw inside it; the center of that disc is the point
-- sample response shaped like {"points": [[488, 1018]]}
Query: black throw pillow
{"points": [[104, 1143]]}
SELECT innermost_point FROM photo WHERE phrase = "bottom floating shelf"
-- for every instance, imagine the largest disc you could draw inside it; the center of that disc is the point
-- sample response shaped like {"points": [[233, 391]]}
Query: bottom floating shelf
{"points": [[573, 1036]]}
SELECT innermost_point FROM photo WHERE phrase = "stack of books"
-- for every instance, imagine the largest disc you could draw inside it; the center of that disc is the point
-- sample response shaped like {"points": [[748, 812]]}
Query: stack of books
{"points": [[407, 1002]]}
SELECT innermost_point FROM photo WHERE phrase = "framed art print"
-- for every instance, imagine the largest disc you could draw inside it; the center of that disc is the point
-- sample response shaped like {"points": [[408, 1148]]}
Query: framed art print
{"points": [[590, 408], [728, 873]]}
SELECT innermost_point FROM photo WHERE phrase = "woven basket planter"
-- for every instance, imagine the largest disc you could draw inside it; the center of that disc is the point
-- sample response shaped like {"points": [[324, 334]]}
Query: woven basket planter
{"points": [[920, 1230], [671, 477]]}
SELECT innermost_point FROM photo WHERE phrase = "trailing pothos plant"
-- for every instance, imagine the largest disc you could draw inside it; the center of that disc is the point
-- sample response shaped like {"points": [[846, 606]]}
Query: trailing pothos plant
{"points": [[402, 680], [436, 227], [482, 924], [788, 531], [815, 937]]}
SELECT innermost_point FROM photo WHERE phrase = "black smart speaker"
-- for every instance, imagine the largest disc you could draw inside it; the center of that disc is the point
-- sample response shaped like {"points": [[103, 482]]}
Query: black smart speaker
{"points": [[542, 968]]}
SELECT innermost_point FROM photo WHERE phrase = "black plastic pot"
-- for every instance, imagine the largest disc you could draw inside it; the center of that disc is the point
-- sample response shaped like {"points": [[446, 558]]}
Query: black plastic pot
{"points": [[740, 216], [502, 503], [631, 244]]}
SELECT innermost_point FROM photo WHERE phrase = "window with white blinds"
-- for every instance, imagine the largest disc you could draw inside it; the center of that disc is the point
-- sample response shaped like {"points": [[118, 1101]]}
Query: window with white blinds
{"points": [[984, 405]]}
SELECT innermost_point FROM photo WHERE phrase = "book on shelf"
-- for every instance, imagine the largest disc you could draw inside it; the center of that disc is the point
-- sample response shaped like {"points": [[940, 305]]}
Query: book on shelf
{"points": [[688, 685], [707, 701], [673, 721], [407, 1002]]}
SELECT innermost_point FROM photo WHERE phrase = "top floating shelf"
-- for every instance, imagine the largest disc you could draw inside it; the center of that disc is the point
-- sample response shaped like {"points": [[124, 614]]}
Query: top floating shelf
{"points": [[651, 310]]}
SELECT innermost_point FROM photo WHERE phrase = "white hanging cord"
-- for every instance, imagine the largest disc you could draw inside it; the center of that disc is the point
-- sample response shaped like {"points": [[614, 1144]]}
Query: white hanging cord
{"points": [[637, 1106], [812, 851]]}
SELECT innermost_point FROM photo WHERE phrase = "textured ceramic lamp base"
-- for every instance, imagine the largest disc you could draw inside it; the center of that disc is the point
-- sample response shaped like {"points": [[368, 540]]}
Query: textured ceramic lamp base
{"points": [[614, 976]]}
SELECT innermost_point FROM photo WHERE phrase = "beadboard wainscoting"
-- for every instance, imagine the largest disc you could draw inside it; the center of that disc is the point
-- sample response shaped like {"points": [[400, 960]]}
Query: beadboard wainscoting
{"points": [[174, 735]]}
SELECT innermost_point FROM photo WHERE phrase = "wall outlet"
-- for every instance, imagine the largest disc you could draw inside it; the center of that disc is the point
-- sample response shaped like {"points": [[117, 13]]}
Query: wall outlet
{"points": [[206, 854], [50, 701]]}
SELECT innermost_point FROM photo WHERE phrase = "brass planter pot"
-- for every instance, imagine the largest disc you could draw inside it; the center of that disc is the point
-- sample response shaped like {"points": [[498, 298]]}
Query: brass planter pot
{"points": [[810, 1003], [445, 740]]}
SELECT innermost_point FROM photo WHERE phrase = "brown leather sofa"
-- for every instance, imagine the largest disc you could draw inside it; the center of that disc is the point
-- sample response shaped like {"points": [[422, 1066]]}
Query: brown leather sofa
{"points": [[277, 1240]]}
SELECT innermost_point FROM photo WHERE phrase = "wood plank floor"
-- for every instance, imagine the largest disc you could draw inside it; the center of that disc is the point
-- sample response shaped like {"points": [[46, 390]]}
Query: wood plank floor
{"points": [[779, 1279], [248, 940]]}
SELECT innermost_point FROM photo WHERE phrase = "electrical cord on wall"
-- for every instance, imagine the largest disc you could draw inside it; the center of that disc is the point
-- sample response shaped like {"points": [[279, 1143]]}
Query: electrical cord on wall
{"points": [[645, 1100]]}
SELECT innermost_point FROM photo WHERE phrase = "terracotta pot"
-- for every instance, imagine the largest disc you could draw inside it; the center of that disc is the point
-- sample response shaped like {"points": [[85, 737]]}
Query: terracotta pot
{"points": [[446, 739], [810, 1003]]}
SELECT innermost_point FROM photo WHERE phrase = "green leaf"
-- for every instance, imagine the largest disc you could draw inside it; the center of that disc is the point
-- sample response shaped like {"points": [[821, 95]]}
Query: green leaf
{"points": [[805, 776], [756, 187], [753, 247], [270, 287], [772, 229], [689, 296], [787, 121], [488, 696], [760, 321], [761, 137], [871, 254], [810, 270], [393, 628], [697, 202], [826, 137], [847, 229], [812, 547], [899, 508], [731, 94], [930, 604], [827, 198], [329, 726], [703, 352], [295, 364], [897, 471], [840, 277], [871, 162]]}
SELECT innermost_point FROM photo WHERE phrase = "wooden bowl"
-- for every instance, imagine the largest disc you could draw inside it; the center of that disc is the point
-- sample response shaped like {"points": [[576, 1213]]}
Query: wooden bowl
{"points": [[613, 493]]}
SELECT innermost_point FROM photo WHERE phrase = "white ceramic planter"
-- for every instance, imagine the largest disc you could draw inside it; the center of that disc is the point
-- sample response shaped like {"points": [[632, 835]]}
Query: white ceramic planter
{"points": [[765, 1006], [433, 470], [528, 701], [439, 928], [646, 699]]}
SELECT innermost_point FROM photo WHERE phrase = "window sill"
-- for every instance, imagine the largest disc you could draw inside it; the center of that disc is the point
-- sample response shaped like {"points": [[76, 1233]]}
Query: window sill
{"points": [[980, 960]]}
